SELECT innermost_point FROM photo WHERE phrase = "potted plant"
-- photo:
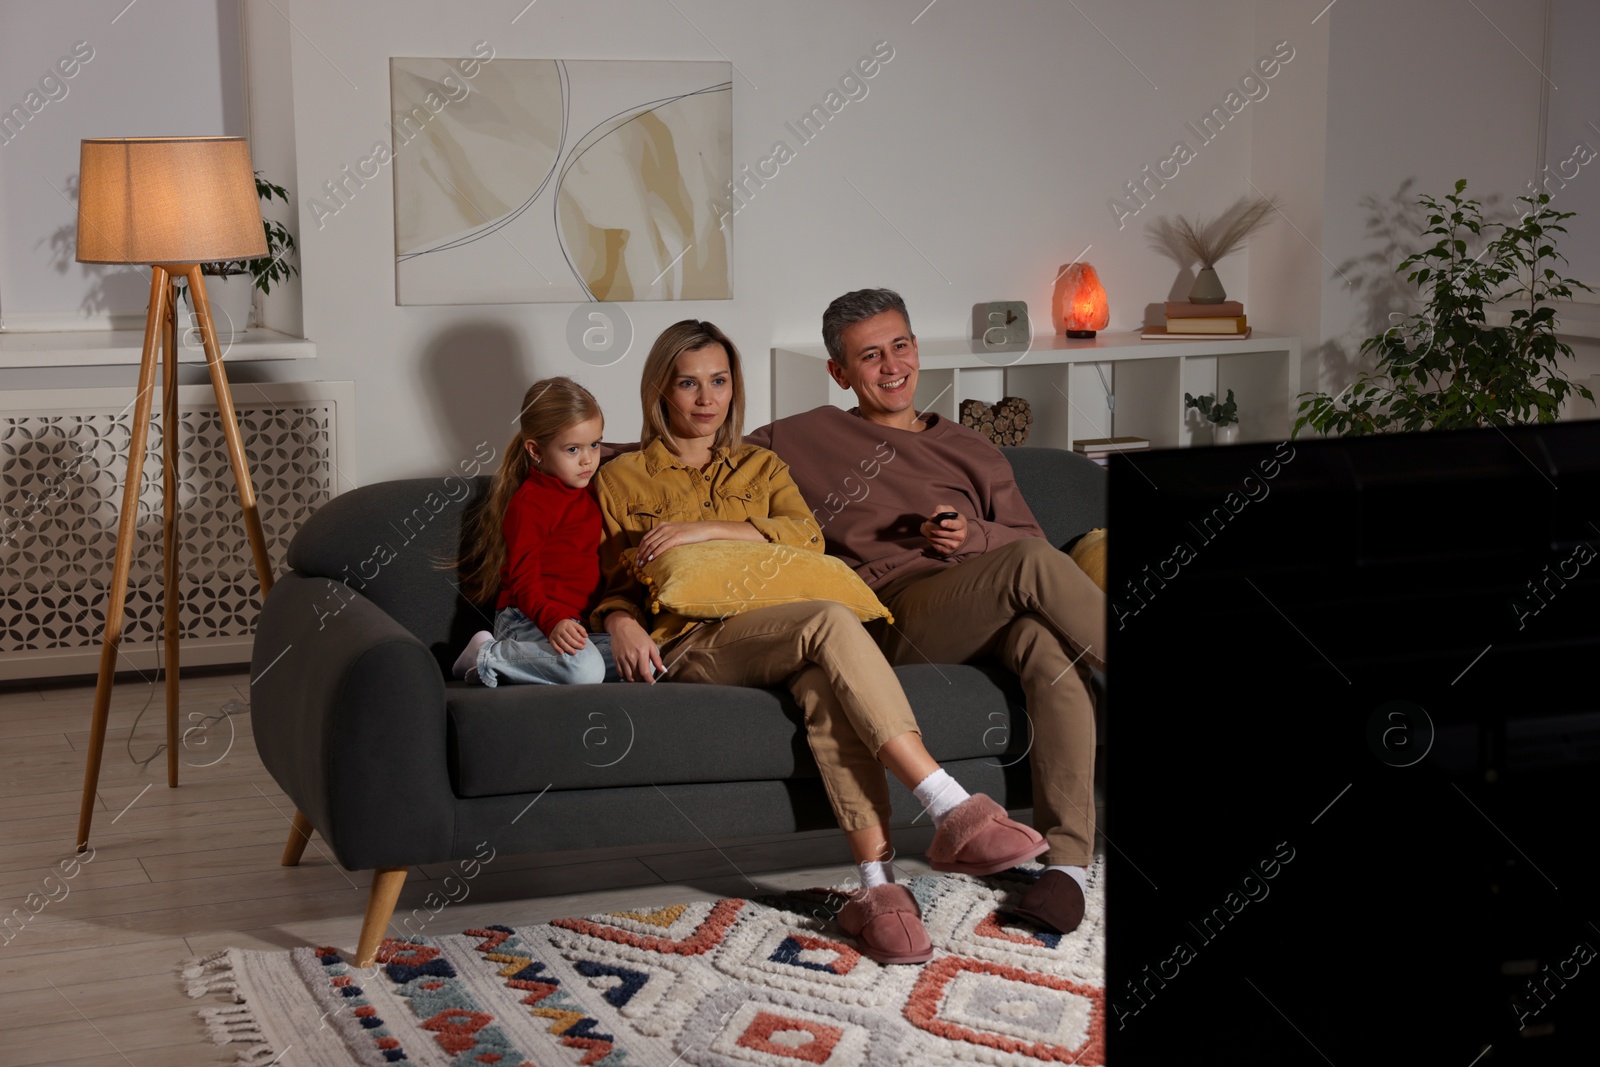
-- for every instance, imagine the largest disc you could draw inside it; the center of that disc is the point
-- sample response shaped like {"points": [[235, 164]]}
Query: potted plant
{"points": [[1223, 417], [1446, 367], [1208, 241], [232, 283]]}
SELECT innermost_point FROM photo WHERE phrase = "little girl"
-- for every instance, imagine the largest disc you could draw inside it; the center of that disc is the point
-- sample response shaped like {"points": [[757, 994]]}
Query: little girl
{"points": [[538, 542]]}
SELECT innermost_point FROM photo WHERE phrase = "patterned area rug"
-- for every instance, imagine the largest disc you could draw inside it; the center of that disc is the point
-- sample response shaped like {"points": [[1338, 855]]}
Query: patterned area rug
{"points": [[729, 982]]}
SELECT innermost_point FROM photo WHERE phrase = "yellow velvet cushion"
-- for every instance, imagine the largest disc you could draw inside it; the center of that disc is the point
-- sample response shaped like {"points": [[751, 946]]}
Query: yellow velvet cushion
{"points": [[1090, 556], [716, 579]]}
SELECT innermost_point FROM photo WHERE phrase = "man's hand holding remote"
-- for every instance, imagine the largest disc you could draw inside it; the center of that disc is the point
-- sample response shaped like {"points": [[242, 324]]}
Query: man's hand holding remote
{"points": [[946, 530]]}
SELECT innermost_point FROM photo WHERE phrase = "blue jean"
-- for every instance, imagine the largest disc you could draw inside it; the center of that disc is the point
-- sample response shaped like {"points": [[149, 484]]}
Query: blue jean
{"points": [[520, 652]]}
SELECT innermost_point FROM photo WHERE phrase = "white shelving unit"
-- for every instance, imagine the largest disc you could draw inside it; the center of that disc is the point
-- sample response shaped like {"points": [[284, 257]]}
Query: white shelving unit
{"points": [[1067, 382]]}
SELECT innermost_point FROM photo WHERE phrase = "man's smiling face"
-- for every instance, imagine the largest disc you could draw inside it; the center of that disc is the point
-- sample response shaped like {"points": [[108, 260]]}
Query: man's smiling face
{"points": [[880, 367]]}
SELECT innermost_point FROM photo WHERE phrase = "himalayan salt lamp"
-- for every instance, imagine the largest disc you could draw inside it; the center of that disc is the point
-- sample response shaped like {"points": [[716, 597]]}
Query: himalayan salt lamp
{"points": [[1080, 301]]}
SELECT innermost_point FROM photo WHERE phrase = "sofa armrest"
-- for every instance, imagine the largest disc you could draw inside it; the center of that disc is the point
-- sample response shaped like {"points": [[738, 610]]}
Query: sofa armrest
{"points": [[1065, 491], [348, 713]]}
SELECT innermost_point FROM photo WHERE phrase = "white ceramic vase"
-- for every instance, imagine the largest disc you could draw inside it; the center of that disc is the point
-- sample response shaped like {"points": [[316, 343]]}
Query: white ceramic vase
{"points": [[1225, 435]]}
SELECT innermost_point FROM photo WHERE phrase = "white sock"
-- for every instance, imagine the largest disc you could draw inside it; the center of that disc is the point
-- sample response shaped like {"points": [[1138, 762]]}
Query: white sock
{"points": [[939, 794], [875, 873], [466, 665], [1077, 874]]}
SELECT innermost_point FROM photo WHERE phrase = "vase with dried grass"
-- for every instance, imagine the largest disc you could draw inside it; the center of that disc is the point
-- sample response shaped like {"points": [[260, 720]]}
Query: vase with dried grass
{"points": [[1209, 240]]}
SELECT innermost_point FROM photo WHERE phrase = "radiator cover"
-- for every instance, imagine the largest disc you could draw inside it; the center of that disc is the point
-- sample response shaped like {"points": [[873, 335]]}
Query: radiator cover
{"points": [[63, 458]]}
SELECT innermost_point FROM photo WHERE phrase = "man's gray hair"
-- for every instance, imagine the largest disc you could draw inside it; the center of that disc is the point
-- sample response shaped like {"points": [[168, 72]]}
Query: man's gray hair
{"points": [[855, 307]]}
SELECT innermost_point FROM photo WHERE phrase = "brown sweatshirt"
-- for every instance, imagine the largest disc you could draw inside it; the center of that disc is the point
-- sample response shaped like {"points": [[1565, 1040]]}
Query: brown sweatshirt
{"points": [[870, 487]]}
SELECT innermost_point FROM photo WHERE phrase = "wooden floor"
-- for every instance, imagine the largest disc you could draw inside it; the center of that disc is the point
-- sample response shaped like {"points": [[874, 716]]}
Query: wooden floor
{"points": [[92, 978]]}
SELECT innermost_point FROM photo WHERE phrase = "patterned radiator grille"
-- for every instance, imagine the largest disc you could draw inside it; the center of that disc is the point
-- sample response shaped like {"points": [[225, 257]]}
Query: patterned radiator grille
{"points": [[61, 492]]}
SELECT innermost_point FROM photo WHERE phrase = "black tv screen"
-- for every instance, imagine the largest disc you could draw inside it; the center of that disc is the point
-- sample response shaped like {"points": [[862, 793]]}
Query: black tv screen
{"points": [[1353, 751]]}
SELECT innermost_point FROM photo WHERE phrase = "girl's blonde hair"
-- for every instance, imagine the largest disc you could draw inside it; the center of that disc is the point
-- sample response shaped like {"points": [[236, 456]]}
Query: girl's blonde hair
{"points": [[661, 367], [548, 407]]}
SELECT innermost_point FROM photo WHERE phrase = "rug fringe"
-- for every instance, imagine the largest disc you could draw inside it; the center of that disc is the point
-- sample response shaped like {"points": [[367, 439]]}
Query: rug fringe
{"points": [[210, 974], [235, 1023]]}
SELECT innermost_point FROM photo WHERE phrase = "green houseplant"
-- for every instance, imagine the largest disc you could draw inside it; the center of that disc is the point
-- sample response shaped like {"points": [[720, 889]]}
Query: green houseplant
{"points": [[1446, 367], [238, 278], [1223, 417]]}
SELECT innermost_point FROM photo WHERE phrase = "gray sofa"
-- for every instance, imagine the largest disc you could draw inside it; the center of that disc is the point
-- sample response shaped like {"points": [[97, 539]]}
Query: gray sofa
{"points": [[395, 764]]}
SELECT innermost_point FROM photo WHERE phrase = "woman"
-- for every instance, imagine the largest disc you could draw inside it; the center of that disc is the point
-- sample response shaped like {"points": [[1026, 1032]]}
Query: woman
{"points": [[692, 481]]}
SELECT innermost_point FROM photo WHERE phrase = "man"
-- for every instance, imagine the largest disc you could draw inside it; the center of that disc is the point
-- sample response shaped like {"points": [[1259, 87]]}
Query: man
{"points": [[982, 583]]}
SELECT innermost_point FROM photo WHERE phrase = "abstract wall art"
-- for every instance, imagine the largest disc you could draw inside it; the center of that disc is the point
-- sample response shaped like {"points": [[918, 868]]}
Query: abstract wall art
{"points": [[546, 180]]}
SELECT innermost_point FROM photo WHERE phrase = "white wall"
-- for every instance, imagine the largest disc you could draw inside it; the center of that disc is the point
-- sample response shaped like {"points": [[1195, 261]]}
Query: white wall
{"points": [[1287, 159], [269, 79], [1573, 101], [1419, 95], [988, 152], [156, 69], [992, 141]]}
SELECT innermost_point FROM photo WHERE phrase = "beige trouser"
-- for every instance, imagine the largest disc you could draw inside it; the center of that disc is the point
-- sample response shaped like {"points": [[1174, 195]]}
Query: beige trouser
{"points": [[1028, 606], [852, 700]]}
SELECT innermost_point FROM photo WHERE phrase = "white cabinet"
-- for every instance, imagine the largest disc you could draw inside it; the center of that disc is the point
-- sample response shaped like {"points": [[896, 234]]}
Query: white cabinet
{"points": [[1068, 383]]}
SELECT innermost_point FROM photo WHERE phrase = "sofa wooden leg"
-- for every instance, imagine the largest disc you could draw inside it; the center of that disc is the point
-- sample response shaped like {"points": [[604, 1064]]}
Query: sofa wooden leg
{"points": [[386, 885], [299, 834]]}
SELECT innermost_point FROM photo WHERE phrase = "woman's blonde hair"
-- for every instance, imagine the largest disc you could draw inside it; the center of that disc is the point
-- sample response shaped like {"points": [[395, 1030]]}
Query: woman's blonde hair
{"points": [[548, 407], [661, 367]]}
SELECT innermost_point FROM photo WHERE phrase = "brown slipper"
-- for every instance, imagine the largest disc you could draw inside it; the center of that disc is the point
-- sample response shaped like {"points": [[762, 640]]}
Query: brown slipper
{"points": [[888, 923], [978, 838], [1054, 902]]}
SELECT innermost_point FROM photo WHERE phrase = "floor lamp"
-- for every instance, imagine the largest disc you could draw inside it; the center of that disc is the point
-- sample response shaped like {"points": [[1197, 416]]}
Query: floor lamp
{"points": [[170, 203]]}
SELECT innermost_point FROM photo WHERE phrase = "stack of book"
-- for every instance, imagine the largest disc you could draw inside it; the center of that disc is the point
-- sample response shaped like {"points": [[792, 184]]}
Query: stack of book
{"points": [[1198, 322], [1099, 449]]}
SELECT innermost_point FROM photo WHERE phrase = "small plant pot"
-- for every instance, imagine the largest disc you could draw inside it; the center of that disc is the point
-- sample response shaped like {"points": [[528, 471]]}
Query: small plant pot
{"points": [[1207, 288], [1225, 435], [230, 304]]}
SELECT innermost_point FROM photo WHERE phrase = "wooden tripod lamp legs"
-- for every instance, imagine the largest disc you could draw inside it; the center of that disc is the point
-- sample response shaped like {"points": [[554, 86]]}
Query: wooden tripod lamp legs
{"points": [[230, 430], [159, 327], [160, 337], [171, 580], [116, 596]]}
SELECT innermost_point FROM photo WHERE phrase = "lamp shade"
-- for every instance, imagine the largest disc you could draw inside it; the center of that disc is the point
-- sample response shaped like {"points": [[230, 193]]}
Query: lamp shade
{"points": [[1080, 301], [167, 200]]}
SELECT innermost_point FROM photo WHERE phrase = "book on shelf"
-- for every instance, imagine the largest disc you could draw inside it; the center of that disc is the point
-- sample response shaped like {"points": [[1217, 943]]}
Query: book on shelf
{"points": [[1110, 444], [1161, 333], [1183, 309], [1231, 324], [1102, 458]]}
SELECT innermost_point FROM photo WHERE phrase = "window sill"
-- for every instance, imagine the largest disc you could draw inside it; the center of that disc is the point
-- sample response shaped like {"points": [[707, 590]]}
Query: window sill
{"points": [[104, 348]]}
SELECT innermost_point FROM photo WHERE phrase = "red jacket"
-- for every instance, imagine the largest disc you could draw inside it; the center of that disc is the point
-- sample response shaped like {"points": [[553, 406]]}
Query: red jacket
{"points": [[552, 568]]}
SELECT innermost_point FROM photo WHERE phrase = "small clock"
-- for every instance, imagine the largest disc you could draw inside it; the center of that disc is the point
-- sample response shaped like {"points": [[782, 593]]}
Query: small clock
{"points": [[1001, 322]]}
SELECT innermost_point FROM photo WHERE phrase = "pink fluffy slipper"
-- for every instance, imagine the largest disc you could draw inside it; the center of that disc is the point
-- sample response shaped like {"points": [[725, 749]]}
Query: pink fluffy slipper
{"points": [[888, 923], [978, 838]]}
